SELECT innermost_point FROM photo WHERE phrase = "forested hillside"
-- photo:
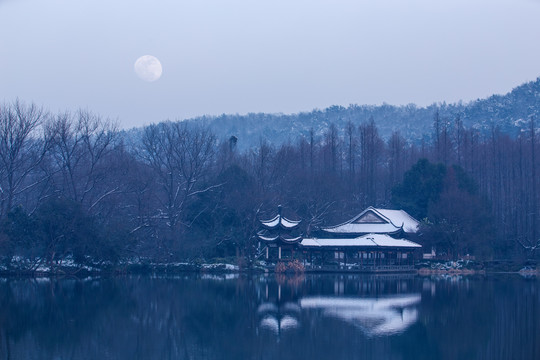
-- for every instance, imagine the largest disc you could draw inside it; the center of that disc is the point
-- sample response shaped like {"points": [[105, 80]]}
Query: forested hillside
{"points": [[73, 186], [508, 112]]}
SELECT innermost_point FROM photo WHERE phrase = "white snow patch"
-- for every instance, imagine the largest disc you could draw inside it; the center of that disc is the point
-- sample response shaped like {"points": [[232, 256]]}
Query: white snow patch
{"points": [[370, 240]]}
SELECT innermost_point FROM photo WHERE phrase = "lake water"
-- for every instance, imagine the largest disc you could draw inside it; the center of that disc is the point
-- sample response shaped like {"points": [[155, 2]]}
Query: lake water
{"points": [[264, 317]]}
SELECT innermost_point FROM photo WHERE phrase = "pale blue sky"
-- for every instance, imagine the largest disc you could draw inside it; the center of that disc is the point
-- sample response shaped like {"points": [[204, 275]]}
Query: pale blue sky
{"points": [[239, 56]]}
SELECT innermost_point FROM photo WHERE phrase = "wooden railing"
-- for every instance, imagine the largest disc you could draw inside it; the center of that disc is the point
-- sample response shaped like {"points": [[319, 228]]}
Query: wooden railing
{"points": [[360, 268]]}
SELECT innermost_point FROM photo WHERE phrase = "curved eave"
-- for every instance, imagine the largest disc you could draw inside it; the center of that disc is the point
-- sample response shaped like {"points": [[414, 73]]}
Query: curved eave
{"points": [[272, 223], [281, 222], [289, 224], [268, 238], [399, 218], [291, 240], [280, 238], [280, 226]]}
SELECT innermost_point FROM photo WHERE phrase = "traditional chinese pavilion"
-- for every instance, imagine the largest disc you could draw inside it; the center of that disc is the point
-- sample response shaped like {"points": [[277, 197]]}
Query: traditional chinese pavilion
{"points": [[375, 238], [280, 235]]}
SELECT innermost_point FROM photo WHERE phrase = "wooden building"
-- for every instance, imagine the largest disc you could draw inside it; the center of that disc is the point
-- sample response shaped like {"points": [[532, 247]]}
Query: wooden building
{"points": [[374, 239]]}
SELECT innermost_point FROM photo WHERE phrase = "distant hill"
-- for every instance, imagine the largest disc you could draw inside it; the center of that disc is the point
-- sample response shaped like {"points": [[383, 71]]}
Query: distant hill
{"points": [[510, 112]]}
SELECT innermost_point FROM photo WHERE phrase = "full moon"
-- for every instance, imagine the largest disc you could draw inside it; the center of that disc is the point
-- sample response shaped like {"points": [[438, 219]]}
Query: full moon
{"points": [[148, 68]]}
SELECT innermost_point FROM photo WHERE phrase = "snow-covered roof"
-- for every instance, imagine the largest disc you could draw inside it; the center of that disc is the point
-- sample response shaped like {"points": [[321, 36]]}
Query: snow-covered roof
{"points": [[279, 220], [370, 240], [288, 239], [315, 242], [400, 218], [376, 221], [283, 238], [268, 238], [363, 228]]}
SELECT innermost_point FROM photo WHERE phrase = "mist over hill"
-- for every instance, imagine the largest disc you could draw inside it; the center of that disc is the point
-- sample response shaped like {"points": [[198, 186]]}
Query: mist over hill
{"points": [[508, 112]]}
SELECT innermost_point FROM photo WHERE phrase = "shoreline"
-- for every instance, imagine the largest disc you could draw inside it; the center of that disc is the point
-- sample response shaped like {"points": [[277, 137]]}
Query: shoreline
{"points": [[224, 269], [21, 268], [427, 271]]}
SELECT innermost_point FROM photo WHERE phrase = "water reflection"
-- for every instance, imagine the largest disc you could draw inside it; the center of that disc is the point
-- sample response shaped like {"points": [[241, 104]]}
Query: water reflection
{"points": [[375, 317], [264, 317], [386, 314]]}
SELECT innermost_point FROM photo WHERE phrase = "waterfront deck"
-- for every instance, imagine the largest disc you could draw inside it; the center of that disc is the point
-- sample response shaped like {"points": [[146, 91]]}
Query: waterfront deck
{"points": [[353, 268], [361, 269]]}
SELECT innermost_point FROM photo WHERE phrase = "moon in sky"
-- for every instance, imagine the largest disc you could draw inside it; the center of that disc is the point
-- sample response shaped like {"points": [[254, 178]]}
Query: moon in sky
{"points": [[148, 68]]}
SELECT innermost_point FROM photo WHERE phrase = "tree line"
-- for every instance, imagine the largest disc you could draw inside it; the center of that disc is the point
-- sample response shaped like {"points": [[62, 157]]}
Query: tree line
{"points": [[72, 185]]}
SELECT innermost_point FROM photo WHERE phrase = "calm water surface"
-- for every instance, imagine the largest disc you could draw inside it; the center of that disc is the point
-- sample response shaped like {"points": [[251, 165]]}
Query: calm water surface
{"points": [[264, 317]]}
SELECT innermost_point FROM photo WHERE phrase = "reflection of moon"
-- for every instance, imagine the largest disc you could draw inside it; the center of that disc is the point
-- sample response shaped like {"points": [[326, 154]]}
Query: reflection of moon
{"points": [[148, 68]]}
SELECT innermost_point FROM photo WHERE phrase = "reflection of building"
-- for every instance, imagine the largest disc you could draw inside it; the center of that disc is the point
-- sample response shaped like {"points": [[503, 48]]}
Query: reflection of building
{"points": [[374, 316], [381, 316], [375, 239], [279, 318], [278, 314], [378, 306]]}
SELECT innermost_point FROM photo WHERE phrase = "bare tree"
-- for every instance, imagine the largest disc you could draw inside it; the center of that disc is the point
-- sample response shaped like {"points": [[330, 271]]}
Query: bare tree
{"points": [[459, 139], [371, 146], [437, 135], [179, 156], [530, 240], [396, 159], [312, 146], [262, 158], [331, 148], [351, 151], [22, 148], [80, 149]]}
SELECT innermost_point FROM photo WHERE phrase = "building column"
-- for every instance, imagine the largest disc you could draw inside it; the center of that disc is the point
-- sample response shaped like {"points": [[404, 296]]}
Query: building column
{"points": [[267, 253], [279, 253]]}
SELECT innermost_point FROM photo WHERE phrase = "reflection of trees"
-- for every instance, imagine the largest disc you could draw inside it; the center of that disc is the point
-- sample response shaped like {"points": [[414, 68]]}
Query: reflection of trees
{"points": [[46, 315], [475, 319], [457, 312], [126, 318]]}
